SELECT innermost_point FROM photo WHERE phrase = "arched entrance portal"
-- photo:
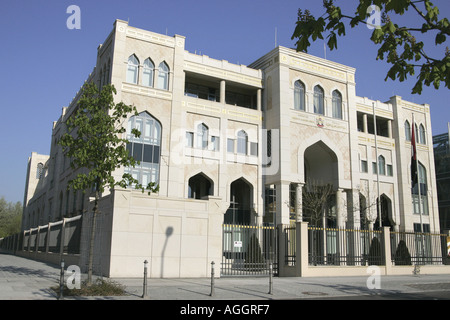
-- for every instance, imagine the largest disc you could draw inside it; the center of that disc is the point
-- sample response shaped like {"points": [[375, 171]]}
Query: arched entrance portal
{"points": [[239, 211], [321, 182], [321, 165]]}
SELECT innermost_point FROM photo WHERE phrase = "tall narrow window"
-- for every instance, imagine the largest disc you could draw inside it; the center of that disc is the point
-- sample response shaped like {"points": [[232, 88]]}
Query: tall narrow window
{"points": [[299, 96], [163, 76], [133, 69], [318, 100], [202, 136], [423, 185], [147, 73], [146, 149], [242, 140], [39, 170], [407, 131], [381, 165], [422, 135], [337, 104]]}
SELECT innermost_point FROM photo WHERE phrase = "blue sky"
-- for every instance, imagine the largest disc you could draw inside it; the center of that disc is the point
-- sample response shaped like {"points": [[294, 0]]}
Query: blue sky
{"points": [[43, 63]]}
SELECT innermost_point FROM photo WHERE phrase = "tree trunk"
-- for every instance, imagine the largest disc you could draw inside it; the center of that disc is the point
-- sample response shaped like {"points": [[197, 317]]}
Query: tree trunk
{"points": [[91, 245]]}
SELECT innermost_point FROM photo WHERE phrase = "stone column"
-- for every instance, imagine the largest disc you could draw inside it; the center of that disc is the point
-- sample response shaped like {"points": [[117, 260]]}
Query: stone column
{"points": [[298, 202], [339, 209], [222, 91], [258, 100], [365, 123], [390, 128]]}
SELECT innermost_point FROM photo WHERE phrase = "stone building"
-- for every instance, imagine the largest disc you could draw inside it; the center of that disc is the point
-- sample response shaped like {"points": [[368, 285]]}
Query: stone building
{"points": [[236, 144]]}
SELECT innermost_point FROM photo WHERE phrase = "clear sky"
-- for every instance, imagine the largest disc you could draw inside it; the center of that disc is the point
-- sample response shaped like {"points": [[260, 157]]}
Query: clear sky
{"points": [[43, 63]]}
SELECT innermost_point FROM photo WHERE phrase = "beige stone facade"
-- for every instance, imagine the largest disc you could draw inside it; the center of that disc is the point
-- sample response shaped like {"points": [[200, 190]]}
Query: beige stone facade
{"points": [[208, 123]]}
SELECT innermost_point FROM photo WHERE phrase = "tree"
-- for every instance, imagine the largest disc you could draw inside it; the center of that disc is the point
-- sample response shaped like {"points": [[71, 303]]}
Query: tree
{"points": [[316, 200], [10, 217], [254, 257], [94, 144], [397, 43]]}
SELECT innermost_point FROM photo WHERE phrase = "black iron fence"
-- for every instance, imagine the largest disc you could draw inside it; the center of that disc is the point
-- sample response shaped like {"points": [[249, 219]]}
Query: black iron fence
{"points": [[352, 247], [249, 250], [417, 248]]}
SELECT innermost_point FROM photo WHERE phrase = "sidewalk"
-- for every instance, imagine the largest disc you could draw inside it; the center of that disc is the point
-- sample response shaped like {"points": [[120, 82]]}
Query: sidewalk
{"points": [[24, 279]]}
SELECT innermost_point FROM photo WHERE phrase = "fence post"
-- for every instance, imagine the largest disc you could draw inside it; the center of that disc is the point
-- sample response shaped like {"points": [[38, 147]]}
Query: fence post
{"points": [[270, 277], [301, 248], [63, 236], [281, 250], [387, 250]]}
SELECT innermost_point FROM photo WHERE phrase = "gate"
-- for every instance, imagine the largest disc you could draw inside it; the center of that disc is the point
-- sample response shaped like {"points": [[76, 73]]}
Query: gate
{"points": [[249, 250]]}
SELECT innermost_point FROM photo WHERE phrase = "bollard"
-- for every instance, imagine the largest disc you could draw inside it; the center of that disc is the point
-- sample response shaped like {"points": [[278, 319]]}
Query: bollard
{"points": [[61, 281], [212, 279], [270, 277], [144, 290]]}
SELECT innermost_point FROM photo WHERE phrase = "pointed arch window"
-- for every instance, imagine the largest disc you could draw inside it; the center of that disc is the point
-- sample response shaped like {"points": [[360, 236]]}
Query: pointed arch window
{"points": [[299, 95], [242, 139], [318, 100], [146, 149], [202, 136], [381, 165], [407, 131], [148, 73], [423, 185], [132, 69], [422, 135], [337, 104], [163, 76]]}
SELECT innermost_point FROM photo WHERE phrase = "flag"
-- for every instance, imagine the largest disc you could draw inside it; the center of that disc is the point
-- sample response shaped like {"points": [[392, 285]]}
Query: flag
{"points": [[414, 177]]}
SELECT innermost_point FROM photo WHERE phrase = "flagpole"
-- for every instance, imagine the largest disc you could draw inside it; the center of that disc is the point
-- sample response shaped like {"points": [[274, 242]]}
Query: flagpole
{"points": [[377, 167], [418, 182]]}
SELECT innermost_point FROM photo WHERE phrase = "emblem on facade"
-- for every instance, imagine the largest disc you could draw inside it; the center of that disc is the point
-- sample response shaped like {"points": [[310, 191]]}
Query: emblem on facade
{"points": [[319, 122]]}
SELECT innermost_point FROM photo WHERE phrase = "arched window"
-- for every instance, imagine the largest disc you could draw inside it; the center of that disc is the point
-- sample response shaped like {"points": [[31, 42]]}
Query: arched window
{"points": [[318, 100], [200, 186], [422, 136], [108, 71], [242, 140], [381, 165], [132, 69], [337, 104], [202, 136], [407, 131], [299, 95], [423, 185], [163, 76], [147, 73], [146, 148], [416, 132], [40, 169]]}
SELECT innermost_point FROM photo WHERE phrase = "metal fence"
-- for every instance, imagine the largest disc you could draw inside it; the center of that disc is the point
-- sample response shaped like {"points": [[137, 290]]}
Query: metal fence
{"points": [[351, 247], [248, 250], [415, 248]]}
